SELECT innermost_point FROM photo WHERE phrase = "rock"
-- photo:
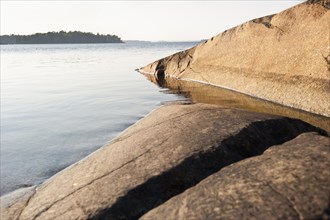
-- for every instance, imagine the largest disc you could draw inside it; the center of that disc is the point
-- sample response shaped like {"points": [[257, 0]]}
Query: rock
{"points": [[283, 58], [161, 156], [16, 200], [288, 181], [201, 93]]}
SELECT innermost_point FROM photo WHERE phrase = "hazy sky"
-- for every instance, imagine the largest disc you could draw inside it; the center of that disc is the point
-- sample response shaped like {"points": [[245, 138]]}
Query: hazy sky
{"points": [[135, 20]]}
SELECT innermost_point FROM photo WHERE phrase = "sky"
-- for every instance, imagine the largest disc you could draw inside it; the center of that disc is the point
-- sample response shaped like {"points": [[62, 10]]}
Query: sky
{"points": [[135, 20]]}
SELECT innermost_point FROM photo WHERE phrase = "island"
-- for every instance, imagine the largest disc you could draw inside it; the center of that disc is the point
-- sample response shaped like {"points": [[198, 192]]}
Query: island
{"points": [[62, 37]]}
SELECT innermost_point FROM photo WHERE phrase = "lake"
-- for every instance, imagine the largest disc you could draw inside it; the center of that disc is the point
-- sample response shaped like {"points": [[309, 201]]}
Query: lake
{"points": [[59, 103]]}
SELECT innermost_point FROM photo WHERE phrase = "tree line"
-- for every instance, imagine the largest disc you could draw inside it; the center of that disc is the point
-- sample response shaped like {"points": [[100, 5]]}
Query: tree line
{"points": [[62, 37]]}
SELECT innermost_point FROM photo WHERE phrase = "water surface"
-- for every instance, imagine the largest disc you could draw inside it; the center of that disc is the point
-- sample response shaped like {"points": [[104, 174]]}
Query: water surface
{"points": [[203, 93], [59, 102]]}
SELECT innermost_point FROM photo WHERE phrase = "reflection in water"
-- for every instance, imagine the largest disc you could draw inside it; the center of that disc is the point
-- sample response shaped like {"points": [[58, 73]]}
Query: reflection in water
{"points": [[202, 93]]}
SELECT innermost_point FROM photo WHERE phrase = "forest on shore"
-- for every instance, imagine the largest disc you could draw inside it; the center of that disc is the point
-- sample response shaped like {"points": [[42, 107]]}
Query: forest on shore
{"points": [[62, 37]]}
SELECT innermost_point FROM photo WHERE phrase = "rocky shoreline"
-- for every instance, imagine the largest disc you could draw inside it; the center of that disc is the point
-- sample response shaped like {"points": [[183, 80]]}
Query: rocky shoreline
{"points": [[179, 147], [205, 161]]}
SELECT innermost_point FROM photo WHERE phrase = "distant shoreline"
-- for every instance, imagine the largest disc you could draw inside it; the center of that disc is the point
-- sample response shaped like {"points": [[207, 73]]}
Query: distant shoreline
{"points": [[57, 43], [62, 37]]}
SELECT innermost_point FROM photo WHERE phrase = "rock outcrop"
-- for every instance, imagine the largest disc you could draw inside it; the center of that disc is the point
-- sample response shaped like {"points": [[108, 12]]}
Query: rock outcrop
{"points": [[170, 151], [202, 93], [279, 184], [283, 58]]}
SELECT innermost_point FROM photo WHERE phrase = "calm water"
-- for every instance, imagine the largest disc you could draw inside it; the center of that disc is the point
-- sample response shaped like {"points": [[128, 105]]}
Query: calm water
{"points": [[59, 103]]}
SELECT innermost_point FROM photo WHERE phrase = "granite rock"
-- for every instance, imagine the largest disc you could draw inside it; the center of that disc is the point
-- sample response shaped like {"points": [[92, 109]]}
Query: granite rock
{"points": [[283, 58], [288, 181], [161, 156]]}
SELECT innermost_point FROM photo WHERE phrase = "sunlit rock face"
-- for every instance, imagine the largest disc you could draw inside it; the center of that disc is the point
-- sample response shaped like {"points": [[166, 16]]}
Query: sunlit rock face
{"points": [[171, 151], [283, 58]]}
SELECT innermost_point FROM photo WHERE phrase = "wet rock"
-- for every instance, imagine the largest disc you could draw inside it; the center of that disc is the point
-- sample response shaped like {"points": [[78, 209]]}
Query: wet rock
{"points": [[201, 93], [288, 181], [161, 156]]}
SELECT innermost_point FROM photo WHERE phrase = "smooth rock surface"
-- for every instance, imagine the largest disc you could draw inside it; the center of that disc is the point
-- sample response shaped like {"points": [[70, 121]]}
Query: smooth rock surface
{"points": [[283, 58], [161, 156], [289, 181], [202, 93]]}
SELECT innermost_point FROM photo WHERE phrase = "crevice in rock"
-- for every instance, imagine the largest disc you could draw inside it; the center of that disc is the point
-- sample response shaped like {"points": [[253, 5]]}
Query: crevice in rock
{"points": [[327, 60], [160, 76], [89, 183], [27, 203], [200, 74], [266, 21], [282, 31], [251, 141]]}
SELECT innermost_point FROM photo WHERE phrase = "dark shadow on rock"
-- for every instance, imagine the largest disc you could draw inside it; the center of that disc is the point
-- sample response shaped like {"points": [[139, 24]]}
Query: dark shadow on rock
{"points": [[251, 141], [326, 213], [160, 77]]}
